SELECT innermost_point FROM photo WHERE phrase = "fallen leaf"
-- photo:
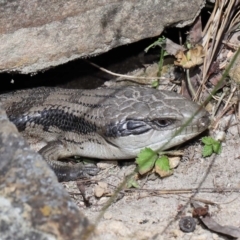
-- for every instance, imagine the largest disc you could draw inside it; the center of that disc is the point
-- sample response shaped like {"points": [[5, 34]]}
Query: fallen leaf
{"points": [[174, 162], [214, 226], [46, 210], [146, 160], [200, 211], [190, 58], [162, 167], [181, 59]]}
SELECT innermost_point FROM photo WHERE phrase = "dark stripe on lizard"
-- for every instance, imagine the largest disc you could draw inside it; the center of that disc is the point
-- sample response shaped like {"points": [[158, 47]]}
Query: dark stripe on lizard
{"points": [[67, 122]]}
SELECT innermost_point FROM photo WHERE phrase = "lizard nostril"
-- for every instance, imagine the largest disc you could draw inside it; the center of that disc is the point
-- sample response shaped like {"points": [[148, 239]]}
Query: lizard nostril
{"points": [[204, 121]]}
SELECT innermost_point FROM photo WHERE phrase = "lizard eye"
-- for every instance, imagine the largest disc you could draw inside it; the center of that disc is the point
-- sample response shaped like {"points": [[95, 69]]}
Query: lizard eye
{"points": [[163, 122]]}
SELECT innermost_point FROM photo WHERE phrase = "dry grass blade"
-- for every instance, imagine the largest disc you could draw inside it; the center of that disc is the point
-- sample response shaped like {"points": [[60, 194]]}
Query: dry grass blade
{"points": [[234, 24], [122, 75], [214, 33]]}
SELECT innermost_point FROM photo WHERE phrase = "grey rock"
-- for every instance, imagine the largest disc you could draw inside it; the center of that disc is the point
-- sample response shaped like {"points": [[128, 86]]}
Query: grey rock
{"points": [[33, 205], [36, 35]]}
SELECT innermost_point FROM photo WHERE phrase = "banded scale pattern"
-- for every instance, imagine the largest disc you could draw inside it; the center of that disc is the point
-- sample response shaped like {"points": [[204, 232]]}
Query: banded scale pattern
{"points": [[101, 123]]}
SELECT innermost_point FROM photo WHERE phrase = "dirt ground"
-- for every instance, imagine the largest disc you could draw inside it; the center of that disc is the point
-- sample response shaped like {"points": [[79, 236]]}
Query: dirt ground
{"points": [[148, 214]]}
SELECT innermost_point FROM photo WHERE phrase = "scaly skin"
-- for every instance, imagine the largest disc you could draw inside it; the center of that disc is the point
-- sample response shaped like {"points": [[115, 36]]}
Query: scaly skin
{"points": [[101, 123]]}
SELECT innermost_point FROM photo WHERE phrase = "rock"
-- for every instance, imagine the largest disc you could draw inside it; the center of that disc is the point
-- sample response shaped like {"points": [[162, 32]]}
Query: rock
{"points": [[36, 35], [178, 234], [107, 215], [33, 205], [106, 164]]}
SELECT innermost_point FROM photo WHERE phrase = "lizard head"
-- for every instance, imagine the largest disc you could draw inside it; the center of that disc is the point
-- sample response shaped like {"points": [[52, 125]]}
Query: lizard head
{"points": [[151, 118]]}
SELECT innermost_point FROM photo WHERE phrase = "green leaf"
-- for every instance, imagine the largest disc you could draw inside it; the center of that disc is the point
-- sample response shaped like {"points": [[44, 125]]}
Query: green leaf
{"points": [[159, 43], [188, 45], [146, 160], [208, 140], [211, 146], [132, 183], [207, 150], [162, 167], [163, 163], [155, 84], [217, 147], [165, 53]]}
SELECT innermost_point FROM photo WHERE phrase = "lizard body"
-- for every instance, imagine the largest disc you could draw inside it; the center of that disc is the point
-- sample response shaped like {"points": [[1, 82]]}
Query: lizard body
{"points": [[101, 123]]}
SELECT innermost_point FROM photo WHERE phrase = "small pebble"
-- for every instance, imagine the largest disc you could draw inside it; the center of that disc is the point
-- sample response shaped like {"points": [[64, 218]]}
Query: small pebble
{"points": [[103, 201], [107, 164], [103, 185], [187, 224], [107, 215], [177, 233], [220, 136], [98, 191]]}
